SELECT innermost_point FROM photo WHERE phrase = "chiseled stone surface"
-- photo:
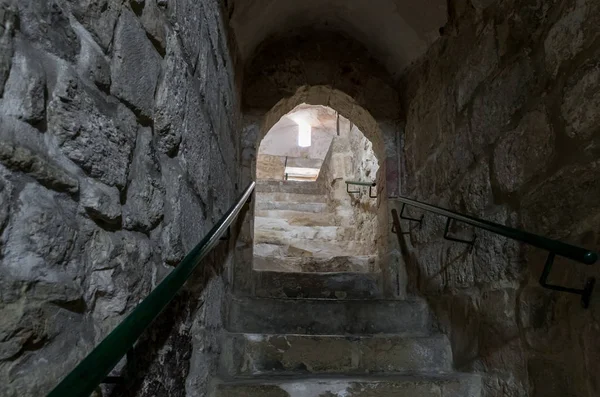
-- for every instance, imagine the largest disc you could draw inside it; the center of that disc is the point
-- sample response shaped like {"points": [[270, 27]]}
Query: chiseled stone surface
{"points": [[334, 317], [95, 201], [434, 386], [526, 116], [258, 354]]}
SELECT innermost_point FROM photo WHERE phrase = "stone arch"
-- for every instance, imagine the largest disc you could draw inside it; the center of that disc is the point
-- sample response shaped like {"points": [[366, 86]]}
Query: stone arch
{"points": [[339, 101]]}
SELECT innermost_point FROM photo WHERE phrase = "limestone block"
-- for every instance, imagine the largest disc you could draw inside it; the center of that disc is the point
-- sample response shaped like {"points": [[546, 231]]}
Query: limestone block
{"points": [[566, 37], [184, 214], [581, 102], [196, 144], [524, 153], [145, 194], [118, 267], [154, 22], [91, 62], [494, 107], [188, 16], [539, 318], [171, 99], [557, 204], [47, 25], [135, 66], [99, 17], [94, 132], [23, 149], [6, 191], [24, 96], [40, 241], [101, 201], [481, 62], [7, 27]]}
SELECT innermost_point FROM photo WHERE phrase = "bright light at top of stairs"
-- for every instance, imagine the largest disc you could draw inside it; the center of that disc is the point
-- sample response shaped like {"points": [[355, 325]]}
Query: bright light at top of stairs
{"points": [[304, 134]]}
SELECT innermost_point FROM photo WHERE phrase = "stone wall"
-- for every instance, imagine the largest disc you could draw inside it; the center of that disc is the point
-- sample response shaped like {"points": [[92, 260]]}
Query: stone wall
{"points": [[117, 155], [503, 123]]}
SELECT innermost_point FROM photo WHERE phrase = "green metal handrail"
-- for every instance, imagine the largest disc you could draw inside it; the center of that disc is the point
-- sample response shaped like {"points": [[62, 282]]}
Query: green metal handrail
{"points": [[554, 247], [90, 372]]}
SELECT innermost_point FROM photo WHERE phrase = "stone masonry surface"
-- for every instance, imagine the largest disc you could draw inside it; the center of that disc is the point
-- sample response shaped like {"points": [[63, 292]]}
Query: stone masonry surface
{"points": [[112, 166]]}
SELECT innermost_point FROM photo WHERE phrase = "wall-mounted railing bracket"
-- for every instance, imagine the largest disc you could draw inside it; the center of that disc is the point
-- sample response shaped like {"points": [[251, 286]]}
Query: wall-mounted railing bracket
{"points": [[409, 218], [227, 235], [586, 292], [371, 192], [458, 240], [371, 185]]}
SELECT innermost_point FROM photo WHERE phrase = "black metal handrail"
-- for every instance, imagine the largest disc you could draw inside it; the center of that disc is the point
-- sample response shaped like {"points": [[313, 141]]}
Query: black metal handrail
{"points": [[371, 185], [554, 247], [95, 367]]}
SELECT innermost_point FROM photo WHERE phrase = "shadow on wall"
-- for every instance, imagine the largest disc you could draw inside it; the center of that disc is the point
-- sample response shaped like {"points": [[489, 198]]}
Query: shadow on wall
{"points": [[498, 128]]}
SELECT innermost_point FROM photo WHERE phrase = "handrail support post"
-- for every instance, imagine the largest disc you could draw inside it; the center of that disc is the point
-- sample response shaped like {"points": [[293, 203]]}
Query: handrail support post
{"points": [[458, 240], [586, 292], [402, 216]]}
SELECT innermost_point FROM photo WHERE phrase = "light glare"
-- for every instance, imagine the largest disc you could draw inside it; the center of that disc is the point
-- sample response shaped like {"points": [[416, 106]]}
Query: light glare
{"points": [[304, 134]]}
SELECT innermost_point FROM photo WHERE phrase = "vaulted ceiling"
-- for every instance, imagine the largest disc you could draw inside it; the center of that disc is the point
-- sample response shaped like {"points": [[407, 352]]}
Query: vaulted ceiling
{"points": [[396, 32]]}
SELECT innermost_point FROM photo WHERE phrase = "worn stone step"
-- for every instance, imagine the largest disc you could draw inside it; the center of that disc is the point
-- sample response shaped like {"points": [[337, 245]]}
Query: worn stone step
{"points": [[299, 247], [290, 205], [419, 385], [255, 354], [346, 285], [272, 257], [291, 197], [277, 231], [329, 317], [298, 218], [290, 187]]}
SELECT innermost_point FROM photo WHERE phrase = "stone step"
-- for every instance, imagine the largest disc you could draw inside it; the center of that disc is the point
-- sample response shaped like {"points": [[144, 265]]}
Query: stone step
{"points": [[256, 354], [298, 218], [357, 264], [418, 385], [291, 197], [314, 248], [261, 222], [290, 187], [277, 231], [290, 205], [329, 317], [276, 284]]}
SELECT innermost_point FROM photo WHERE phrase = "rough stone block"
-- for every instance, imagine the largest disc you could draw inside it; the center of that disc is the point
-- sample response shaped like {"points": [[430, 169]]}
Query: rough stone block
{"points": [[189, 17], [524, 154], [482, 61], [24, 92], [171, 95], [23, 149], [135, 66], [494, 107], [91, 62], [43, 258], [581, 101], [94, 132], [47, 25], [99, 17], [101, 201], [143, 209], [8, 17]]}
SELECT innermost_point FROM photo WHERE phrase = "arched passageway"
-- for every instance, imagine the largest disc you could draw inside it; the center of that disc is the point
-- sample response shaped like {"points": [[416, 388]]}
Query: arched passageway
{"points": [[305, 219]]}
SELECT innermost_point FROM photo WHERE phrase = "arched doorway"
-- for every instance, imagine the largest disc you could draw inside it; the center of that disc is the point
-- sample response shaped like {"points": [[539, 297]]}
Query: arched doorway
{"points": [[309, 216]]}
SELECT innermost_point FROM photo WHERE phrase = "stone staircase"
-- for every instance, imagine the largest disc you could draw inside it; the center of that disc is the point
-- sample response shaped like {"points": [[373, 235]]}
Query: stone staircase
{"points": [[294, 230], [332, 335]]}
